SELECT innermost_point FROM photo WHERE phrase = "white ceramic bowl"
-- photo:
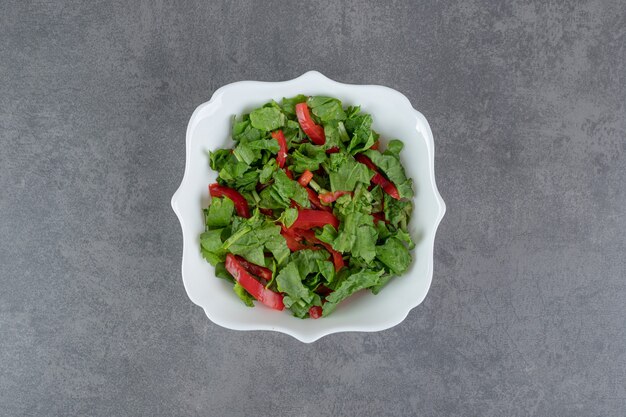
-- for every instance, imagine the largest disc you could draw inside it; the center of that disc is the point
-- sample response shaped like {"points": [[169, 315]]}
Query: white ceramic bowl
{"points": [[394, 117]]}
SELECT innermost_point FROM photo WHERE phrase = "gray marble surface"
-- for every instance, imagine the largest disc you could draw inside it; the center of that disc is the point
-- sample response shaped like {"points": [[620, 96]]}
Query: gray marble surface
{"points": [[526, 315]]}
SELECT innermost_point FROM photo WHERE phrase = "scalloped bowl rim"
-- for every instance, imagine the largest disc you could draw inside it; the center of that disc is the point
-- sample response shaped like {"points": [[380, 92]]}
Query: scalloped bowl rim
{"points": [[235, 316]]}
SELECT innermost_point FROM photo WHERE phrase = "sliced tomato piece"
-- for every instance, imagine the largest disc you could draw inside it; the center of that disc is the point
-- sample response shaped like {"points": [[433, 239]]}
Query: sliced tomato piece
{"points": [[254, 269], [241, 205], [253, 286], [315, 312], [309, 127], [281, 157], [308, 218], [305, 178], [332, 196]]}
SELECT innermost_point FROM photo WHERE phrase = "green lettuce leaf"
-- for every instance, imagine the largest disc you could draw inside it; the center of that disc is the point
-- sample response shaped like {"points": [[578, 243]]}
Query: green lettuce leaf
{"points": [[219, 213], [355, 282], [219, 158], [363, 137], [326, 108], [267, 172], [307, 156], [249, 239], [397, 212], [267, 119], [280, 194], [233, 169], [243, 131], [250, 152], [394, 147], [391, 166], [221, 272], [394, 255], [243, 295], [211, 246], [288, 105], [345, 172], [289, 281], [288, 217]]}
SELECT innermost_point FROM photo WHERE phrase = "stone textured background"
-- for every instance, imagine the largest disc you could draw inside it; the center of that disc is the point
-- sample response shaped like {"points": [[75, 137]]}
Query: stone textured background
{"points": [[526, 315]]}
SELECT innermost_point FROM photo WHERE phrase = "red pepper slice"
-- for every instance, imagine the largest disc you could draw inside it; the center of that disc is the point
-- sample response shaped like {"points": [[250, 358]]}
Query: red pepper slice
{"points": [[379, 217], [266, 211], [332, 196], [315, 312], [323, 290], [376, 145], [309, 235], [315, 201], [258, 270], [384, 183], [289, 173], [305, 178], [282, 144], [337, 258], [292, 243], [312, 130], [254, 287], [293, 240], [366, 161], [241, 205], [308, 218], [334, 149]]}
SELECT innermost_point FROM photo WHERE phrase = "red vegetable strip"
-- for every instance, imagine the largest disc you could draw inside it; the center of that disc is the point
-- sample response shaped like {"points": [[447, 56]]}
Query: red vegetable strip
{"points": [[305, 178], [315, 312], [260, 187], [293, 240], [366, 161], [376, 145], [334, 149], [289, 173], [267, 212], [282, 144], [323, 290], [241, 205], [332, 196], [292, 243], [309, 218], [315, 201], [384, 183], [312, 130], [254, 287], [379, 217], [337, 258], [258, 270], [309, 235]]}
